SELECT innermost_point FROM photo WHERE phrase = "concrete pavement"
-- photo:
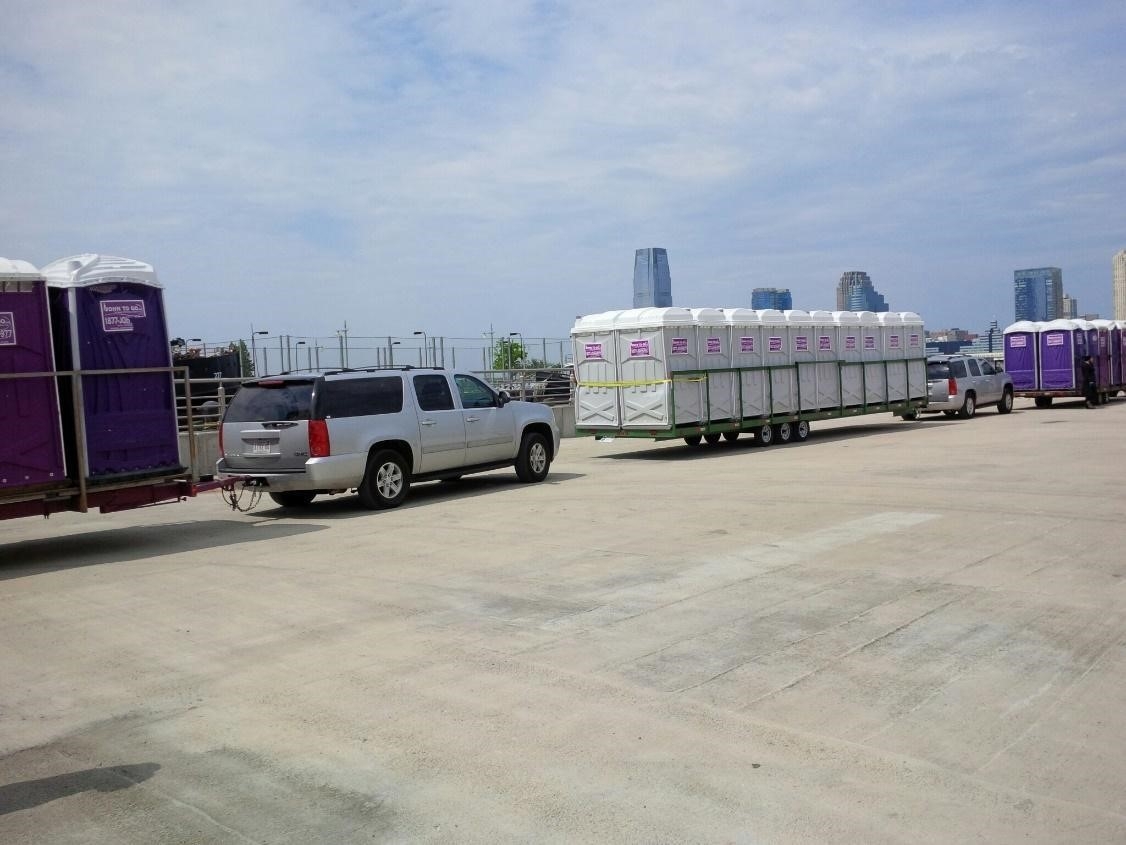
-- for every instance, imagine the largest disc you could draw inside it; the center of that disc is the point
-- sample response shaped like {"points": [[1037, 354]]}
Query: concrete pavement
{"points": [[895, 632]]}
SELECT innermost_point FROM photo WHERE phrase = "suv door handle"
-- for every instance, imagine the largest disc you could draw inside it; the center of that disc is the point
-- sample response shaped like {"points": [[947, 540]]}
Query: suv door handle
{"points": [[472, 419], [427, 422]]}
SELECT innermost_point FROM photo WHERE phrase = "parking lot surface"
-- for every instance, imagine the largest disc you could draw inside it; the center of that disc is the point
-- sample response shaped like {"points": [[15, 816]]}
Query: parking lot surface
{"points": [[895, 632]]}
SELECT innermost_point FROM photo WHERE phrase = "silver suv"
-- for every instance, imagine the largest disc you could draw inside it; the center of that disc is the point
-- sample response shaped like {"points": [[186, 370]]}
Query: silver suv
{"points": [[376, 431], [960, 384]]}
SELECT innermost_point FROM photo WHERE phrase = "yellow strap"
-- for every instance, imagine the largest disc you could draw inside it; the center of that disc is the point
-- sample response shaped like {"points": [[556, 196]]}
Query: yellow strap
{"points": [[638, 383]]}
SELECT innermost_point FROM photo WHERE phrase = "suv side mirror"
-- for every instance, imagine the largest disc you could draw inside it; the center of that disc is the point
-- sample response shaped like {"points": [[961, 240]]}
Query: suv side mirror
{"points": [[504, 398]]}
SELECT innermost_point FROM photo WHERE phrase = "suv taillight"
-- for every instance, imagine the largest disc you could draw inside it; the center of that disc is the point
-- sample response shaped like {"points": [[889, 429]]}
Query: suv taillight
{"points": [[952, 386], [222, 452], [318, 439]]}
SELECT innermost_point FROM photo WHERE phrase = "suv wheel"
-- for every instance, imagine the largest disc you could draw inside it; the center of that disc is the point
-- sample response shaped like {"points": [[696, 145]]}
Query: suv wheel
{"points": [[1006, 403], [969, 407], [386, 481], [534, 459], [293, 498]]}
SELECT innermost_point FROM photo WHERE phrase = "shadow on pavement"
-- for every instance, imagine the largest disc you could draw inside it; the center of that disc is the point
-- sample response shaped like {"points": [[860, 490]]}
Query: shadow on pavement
{"points": [[26, 794], [117, 545]]}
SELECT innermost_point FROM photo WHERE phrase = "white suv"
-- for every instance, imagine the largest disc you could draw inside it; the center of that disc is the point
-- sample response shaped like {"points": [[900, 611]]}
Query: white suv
{"points": [[375, 431], [960, 384]]}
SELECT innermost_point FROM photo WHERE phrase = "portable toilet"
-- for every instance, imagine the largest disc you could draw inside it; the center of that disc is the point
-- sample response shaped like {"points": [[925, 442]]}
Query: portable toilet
{"points": [[849, 344], [653, 345], [802, 355], [31, 437], [714, 350], [1062, 345], [783, 386], [1118, 352], [916, 355], [872, 353], [895, 355], [745, 341], [597, 393], [107, 313], [1021, 354], [1104, 360], [826, 352]]}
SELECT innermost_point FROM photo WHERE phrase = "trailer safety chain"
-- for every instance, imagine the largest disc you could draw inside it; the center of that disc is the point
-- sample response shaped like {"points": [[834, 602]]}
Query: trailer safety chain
{"points": [[234, 496]]}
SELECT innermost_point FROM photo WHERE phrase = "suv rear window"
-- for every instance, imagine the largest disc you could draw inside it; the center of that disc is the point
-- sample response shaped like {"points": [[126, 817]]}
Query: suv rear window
{"points": [[271, 401], [360, 397], [937, 370]]}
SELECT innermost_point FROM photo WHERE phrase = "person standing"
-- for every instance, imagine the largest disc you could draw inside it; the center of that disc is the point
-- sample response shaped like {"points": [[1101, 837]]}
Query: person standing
{"points": [[1090, 389]]}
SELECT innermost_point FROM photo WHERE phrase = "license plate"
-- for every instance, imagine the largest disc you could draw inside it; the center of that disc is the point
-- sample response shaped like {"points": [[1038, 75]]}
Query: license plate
{"points": [[260, 447]]}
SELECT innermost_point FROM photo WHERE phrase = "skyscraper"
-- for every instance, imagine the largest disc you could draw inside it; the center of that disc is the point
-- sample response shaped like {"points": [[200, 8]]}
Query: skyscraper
{"points": [[1119, 265], [778, 298], [1038, 293], [652, 282], [855, 293], [1070, 308]]}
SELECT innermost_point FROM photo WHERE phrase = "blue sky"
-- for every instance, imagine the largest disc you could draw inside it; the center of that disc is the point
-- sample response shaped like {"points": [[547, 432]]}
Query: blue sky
{"points": [[451, 166]]}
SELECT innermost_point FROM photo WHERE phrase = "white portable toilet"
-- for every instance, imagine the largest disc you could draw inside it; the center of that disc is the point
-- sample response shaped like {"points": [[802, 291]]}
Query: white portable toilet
{"points": [[783, 385], [802, 356], [745, 329], [653, 345], [849, 344], [597, 394], [872, 353], [826, 352], [916, 354], [715, 354], [895, 348]]}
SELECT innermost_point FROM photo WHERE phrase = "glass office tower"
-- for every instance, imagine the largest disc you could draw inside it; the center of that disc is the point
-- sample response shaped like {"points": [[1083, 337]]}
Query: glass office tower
{"points": [[1038, 293], [652, 283], [778, 298]]}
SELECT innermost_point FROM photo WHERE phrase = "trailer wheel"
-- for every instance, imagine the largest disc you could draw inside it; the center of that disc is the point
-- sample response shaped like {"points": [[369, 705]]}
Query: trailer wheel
{"points": [[712, 437], [1043, 401], [693, 439], [910, 415], [730, 436], [783, 432], [764, 434], [801, 431]]}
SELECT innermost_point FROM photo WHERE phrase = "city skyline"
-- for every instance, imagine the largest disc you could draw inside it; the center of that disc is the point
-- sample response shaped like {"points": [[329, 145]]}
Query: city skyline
{"points": [[441, 166]]}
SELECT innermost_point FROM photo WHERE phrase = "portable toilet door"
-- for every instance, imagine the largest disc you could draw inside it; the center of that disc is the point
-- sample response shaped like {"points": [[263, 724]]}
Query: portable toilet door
{"points": [[715, 355], [31, 436], [1118, 360], [852, 367], [915, 354], [108, 314], [895, 355], [1062, 344], [803, 356], [1101, 335], [597, 394], [654, 343], [745, 342], [827, 371], [872, 353], [783, 383], [1021, 354]]}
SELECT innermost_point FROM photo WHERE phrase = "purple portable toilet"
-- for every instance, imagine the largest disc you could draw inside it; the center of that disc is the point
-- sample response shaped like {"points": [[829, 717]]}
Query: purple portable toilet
{"points": [[1109, 355], [1021, 354], [31, 438], [108, 314], [1062, 345]]}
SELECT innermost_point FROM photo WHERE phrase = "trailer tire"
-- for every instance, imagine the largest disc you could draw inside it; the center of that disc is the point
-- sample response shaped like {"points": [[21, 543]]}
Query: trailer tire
{"points": [[910, 415], [693, 439], [783, 432], [801, 431], [712, 437], [730, 436], [1043, 401], [764, 435]]}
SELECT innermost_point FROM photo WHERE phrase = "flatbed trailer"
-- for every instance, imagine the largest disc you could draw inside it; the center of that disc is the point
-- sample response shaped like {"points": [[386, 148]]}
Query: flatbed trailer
{"points": [[1044, 398], [767, 429], [118, 493]]}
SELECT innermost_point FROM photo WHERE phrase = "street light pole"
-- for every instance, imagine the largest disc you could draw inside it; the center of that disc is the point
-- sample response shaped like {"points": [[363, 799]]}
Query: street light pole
{"points": [[422, 357], [391, 351], [254, 350]]}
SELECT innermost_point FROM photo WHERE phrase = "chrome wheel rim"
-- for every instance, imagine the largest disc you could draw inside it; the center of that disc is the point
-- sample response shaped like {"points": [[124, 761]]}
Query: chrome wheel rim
{"points": [[537, 458], [389, 480]]}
